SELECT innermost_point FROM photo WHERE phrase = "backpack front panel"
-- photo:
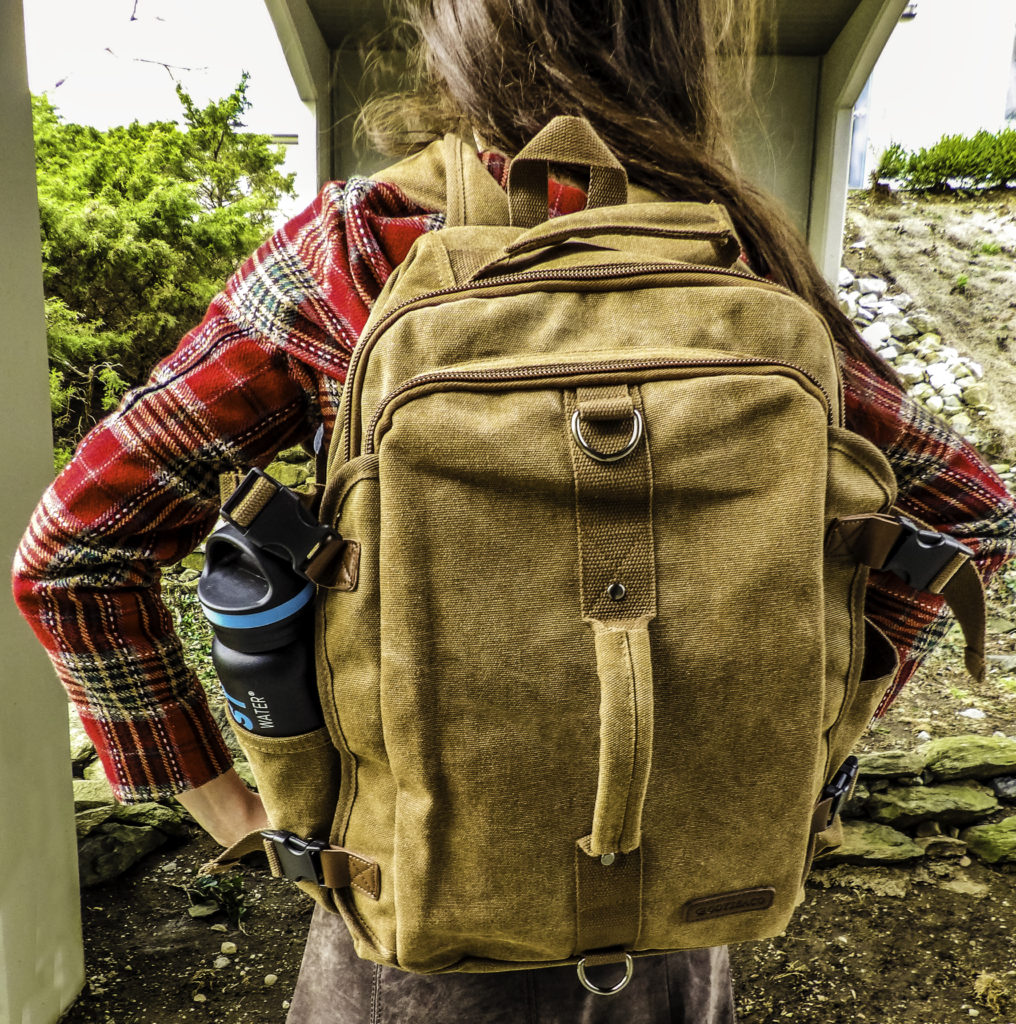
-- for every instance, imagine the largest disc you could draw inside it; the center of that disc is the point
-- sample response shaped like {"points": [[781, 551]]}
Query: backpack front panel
{"points": [[518, 723]]}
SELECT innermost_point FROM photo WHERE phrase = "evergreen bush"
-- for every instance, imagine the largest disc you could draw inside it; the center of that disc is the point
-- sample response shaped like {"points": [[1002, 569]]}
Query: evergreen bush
{"points": [[141, 226], [984, 160]]}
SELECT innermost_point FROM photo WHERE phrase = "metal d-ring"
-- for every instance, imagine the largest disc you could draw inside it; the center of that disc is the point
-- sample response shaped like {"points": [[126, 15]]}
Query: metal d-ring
{"points": [[593, 453], [629, 970]]}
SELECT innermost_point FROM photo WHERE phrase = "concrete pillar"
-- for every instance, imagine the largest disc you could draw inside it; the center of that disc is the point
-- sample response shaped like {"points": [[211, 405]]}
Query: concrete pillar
{"points": [[41, 958], [310, 63], [845, 69]]}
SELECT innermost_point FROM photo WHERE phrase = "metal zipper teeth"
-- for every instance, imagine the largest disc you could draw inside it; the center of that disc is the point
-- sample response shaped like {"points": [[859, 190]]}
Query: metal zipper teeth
{"points": [[606, 272], [551, 370]]}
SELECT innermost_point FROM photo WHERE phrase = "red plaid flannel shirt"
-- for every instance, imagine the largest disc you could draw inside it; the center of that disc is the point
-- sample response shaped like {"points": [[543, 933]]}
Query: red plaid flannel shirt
{"points": [[259, 374]]}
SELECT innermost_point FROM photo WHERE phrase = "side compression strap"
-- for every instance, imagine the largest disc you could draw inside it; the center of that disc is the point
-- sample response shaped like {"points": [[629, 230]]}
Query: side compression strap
{"points": [[926, 560]]}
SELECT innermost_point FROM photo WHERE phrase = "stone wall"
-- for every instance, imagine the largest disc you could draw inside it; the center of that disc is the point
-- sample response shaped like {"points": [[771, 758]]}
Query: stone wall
{"points": [[951, 797]]}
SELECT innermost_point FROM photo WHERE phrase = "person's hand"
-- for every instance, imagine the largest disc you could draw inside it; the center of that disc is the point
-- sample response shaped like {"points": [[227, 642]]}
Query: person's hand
{"points": [[225, 808]]}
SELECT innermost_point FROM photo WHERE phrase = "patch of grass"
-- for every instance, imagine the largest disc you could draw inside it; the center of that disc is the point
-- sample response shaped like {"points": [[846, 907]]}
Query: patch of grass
{"points": [[989, 248], [959, 286], [226, 890]]}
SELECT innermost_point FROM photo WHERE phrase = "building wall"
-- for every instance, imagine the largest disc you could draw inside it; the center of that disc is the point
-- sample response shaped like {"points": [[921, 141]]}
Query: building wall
{"points": [[776, 141], [945, 71], [41, 962]]}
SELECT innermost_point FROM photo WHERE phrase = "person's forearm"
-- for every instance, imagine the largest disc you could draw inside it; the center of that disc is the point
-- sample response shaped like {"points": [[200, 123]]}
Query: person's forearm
{"points": [[225, 808]]}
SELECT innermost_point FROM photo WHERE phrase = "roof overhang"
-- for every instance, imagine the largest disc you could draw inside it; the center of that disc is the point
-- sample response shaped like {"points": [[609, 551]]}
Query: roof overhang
{"points": [[802, 29]]}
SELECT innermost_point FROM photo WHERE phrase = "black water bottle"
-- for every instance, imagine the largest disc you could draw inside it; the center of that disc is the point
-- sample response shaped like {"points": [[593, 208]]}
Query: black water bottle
{"points": [[262, 613]]}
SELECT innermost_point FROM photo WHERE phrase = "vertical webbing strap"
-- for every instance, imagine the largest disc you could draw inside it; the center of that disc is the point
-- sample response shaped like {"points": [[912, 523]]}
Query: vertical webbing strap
{"points": [[618, 598], [608, 899]]}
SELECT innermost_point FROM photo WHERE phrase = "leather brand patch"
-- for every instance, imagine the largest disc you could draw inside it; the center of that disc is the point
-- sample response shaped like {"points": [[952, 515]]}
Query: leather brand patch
{"points": [[743, 901]]}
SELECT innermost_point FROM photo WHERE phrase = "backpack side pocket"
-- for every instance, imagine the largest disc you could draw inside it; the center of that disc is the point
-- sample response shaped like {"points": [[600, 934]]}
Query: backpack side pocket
{"points": [[878, 670], [860, 481], [298, 781]]}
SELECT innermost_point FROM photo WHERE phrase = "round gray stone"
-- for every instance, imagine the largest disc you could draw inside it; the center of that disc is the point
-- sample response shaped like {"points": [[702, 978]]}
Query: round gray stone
{"points": [[1005, 788]]}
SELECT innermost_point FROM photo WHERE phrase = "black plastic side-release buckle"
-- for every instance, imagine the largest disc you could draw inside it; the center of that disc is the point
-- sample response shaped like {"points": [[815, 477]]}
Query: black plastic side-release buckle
{"points": [[839, 787], [299, 859], [281, 523], [920, 555]]}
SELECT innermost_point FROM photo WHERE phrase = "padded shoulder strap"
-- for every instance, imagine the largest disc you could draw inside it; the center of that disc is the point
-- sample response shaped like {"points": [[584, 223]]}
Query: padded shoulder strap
{"points": [[473, 196]]}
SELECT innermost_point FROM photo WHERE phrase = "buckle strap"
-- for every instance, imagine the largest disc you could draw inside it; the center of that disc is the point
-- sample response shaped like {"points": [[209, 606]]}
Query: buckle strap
{"points": [[834, 794], [924, 559], [275, 517], [312, 860]]}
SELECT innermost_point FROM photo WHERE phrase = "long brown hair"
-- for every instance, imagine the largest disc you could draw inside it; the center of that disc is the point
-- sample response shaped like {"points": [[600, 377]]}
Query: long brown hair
{"points": [[656, 78]]}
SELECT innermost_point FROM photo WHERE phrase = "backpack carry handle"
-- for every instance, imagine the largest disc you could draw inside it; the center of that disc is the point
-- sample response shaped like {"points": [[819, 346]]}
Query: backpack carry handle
{"points": [[565, 140]]}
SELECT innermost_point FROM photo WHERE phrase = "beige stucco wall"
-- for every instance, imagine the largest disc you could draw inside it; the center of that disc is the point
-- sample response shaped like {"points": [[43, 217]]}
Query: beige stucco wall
{"points": [[41, 964]]}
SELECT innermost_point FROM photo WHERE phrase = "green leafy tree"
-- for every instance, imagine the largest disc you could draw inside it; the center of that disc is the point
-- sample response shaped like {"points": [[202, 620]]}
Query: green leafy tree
{"points": [[141, 225]]}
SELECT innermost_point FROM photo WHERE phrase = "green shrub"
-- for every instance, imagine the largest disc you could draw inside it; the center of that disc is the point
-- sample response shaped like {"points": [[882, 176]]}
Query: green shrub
{"points": [[892, 165], [984, 160], [141, 226]]}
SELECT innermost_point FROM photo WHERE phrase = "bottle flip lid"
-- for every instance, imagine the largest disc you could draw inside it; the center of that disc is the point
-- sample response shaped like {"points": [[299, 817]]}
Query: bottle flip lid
{"points": [[243, 586]]}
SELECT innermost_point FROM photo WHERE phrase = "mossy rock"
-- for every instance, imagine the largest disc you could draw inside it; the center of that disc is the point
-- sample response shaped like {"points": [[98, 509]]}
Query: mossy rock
{"points": [[170, 820], [195, 560], [92, 793], [111, 848], [864, 842], [294, 456], [970, 757], [904, 806], [288, 474], [82, 748], [995, 844], [243, 769], [890, 764]]}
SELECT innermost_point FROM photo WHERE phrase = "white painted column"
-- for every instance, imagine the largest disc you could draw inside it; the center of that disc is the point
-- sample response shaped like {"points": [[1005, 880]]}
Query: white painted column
{"points": [[310, 64], [845, 69], [41, 959]]}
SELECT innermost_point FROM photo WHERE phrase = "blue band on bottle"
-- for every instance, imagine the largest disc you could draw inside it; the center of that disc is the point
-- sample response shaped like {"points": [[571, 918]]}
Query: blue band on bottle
{"points": [[265, 618]]}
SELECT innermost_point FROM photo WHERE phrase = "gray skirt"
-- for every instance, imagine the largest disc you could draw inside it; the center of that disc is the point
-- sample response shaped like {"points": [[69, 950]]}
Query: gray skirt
{"points": [[337, 987]]}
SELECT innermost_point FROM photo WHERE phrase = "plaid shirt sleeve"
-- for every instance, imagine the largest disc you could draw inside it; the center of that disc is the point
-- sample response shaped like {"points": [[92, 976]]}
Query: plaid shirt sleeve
{"points": [[943, 482], [258, 374]]}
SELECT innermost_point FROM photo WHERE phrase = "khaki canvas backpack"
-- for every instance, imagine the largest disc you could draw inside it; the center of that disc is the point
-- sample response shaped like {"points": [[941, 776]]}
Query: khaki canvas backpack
{"points": [[590, 637]]}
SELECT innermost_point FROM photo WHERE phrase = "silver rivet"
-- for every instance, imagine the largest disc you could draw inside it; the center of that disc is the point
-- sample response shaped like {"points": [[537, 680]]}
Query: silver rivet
{"points": [[607, 859], [616, 591]]}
